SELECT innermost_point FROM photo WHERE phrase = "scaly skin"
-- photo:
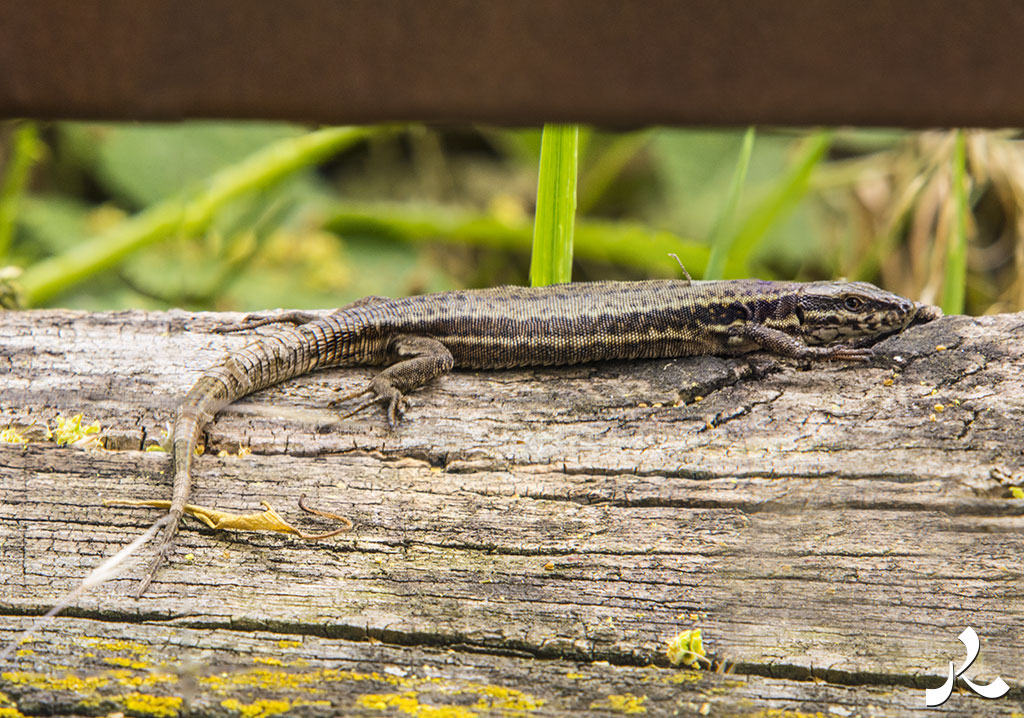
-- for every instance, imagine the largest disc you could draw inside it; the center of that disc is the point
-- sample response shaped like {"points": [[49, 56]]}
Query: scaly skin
{"points": [[420, 338]]}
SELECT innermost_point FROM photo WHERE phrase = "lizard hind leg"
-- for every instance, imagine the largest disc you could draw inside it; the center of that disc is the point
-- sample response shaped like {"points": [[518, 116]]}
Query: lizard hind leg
{"points": [[254, 321], [295, 317], [417, 360]]}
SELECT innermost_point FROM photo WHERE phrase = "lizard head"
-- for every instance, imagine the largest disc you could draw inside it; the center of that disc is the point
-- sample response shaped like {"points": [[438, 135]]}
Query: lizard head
{"points": [[834, 311]]}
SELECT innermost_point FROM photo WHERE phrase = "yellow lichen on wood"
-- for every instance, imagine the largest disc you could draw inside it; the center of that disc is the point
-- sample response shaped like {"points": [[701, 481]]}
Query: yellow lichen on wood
{"points": [[265, 679], [89, 684], [125, 662], [501, 698], [408, 702], [490, 698], [626, 703], [87, 688], [104, 644], [67, 682], [157, 706], [8, 708], [125, 677], [263, 708], [268, 661], [684, 677]]}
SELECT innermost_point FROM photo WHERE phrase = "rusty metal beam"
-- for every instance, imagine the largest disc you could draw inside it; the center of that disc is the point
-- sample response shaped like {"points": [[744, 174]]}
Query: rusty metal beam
{"points": [[613, 62]]}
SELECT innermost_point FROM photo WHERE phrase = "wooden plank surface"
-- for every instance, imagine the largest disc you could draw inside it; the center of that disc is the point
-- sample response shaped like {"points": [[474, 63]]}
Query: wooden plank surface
{"points": [[614, 62], [531, 536]]}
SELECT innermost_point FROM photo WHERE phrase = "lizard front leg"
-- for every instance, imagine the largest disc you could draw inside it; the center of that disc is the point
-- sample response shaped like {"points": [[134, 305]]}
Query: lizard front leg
{"points": [[778, 342], [417, 361]]}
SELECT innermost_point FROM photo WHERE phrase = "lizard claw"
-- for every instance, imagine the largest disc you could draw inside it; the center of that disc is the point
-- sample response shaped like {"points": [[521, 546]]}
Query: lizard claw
{"points": [[352, 395], [852, 353], [365, 405], [396, 409]]}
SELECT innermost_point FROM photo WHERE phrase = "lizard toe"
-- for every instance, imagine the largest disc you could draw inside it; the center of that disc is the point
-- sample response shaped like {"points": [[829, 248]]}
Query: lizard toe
{"points": [[396, 409]]}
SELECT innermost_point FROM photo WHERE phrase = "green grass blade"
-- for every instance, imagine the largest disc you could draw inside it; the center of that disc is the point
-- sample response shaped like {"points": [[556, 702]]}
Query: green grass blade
{"points": [[186, 214], [721, 237], [25, 150], [551, 261], [955, 279]]}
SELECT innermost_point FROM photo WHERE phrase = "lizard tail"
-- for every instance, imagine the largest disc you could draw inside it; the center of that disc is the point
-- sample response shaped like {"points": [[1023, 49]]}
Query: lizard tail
{"points": [[260, 364]]}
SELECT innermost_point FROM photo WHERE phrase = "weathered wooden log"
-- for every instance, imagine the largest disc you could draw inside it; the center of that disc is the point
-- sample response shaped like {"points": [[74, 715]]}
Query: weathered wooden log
{"points": [[831, 528]]}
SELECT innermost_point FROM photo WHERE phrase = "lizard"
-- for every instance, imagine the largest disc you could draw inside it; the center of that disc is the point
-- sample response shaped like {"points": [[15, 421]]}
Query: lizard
{"points": [[420, 338]]}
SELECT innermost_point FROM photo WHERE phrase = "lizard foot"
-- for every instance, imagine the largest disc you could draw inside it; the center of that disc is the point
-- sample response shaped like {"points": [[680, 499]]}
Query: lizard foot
{"points": [[385, 393], [417, 360], [253, 321]]}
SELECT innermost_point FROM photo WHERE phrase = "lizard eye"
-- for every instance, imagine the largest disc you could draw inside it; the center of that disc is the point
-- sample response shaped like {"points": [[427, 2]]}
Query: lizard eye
{"points": [[853, 303]]}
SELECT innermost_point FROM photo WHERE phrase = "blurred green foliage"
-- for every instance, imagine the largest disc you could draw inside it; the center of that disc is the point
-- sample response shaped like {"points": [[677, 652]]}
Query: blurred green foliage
{"points": [[142, 164], [400, 210]]}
